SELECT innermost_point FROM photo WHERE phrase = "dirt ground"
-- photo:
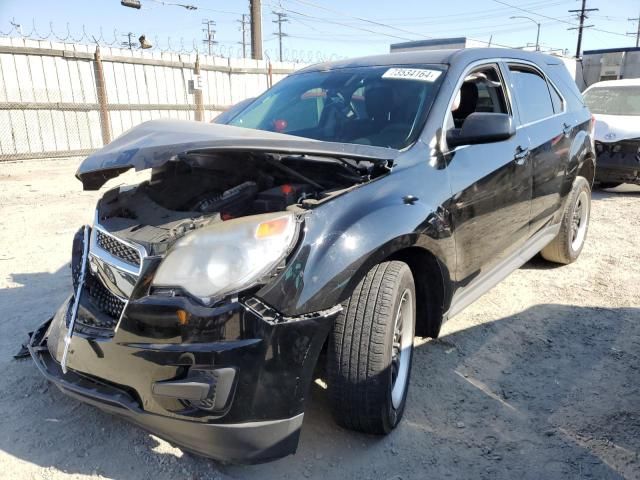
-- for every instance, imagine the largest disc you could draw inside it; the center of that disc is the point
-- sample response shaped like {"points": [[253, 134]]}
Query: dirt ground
{"points": [[538, 379]]}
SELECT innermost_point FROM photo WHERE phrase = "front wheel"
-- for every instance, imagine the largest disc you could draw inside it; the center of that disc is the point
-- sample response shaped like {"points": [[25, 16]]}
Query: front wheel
{"points": [[566, 247], [370, 351]]}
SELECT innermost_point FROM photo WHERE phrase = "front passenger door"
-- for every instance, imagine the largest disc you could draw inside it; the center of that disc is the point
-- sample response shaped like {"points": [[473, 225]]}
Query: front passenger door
{"points": [[491, 183]]}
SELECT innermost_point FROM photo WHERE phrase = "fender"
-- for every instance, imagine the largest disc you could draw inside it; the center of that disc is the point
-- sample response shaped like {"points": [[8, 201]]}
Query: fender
{"points": [[352, 233], [581, 151]]}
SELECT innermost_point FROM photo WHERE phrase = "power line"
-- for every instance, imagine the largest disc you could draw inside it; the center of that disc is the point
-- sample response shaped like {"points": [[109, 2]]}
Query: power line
{"points": [[489, 11], [282, 18], [209, 33], [469, 17], [477, 30], [554, 18], [366, 20], [421, 35], [311, 17]]}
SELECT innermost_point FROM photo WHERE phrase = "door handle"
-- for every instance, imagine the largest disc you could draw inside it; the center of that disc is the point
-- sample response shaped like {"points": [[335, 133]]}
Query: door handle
{"points": [[566, 129], [521, 155]]}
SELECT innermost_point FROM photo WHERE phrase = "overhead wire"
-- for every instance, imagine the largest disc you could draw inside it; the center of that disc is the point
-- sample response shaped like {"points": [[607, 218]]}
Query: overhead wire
{"points": [[501, 2]]}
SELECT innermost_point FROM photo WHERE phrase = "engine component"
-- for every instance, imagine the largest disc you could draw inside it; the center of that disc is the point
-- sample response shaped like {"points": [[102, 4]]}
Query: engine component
{"points": [[279, 198], [233, 201]]}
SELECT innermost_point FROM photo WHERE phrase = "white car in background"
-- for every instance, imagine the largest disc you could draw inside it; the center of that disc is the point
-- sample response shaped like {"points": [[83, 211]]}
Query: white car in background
{"points": [[616, 107]]}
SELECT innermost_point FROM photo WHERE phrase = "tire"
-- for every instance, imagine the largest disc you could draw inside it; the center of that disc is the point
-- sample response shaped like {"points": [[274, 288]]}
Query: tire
{"points": [[566, 247], [609, 184], [367, 379]]}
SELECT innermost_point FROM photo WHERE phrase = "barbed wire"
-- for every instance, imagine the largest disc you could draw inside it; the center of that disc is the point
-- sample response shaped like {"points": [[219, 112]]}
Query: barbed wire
{"points": [[182, 46]]}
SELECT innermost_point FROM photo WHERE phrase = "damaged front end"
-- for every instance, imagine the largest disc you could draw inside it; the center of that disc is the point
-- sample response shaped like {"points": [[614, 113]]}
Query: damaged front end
{"points": [[619, 161], [166, 326]]}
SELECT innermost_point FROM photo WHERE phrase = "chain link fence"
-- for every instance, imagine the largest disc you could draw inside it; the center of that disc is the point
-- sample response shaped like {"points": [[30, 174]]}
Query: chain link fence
{"points": [[62, 99]]}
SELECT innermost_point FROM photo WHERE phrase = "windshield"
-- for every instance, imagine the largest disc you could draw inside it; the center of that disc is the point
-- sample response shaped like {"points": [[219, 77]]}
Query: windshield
{"points": [[614, 100], [379, 106]]}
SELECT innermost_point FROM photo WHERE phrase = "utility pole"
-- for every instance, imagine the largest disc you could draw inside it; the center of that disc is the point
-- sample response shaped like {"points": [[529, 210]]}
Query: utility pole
{"points": [[209, 34], [282, 18], [256, 29], [582, 15], [243, 27], [128, 43], [637, 34]]}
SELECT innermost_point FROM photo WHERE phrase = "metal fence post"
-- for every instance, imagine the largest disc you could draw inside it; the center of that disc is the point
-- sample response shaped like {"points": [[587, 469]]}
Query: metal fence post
{"points": [[101, 91], [197, 93]]}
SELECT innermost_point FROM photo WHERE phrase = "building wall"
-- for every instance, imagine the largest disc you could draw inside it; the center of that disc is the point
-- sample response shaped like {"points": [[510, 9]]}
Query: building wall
{"points": [[627, 62], [50, 104]]}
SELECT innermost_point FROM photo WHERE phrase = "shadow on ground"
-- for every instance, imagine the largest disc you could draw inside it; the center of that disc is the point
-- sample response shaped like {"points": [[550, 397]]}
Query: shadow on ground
{"points": [[625, 190], [550, 392]]}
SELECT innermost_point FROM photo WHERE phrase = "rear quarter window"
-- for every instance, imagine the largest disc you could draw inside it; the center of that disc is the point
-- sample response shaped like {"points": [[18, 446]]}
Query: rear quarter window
{"points": [[560, 76]]}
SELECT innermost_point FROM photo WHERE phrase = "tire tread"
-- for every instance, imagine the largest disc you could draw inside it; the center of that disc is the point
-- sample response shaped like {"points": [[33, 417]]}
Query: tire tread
{"points": [[357, 350]]}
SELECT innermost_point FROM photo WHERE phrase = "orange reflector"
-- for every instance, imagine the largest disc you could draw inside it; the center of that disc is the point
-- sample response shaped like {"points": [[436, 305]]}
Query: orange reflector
{"points": [[272, 227], [183, 317]]}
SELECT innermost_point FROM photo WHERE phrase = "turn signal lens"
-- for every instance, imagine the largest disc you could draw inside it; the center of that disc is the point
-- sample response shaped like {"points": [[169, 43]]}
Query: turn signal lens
{"points": [[273, 227], [183, 317]]}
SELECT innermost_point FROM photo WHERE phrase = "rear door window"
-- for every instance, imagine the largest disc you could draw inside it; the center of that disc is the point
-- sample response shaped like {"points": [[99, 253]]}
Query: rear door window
{"points": [[532, 92]]}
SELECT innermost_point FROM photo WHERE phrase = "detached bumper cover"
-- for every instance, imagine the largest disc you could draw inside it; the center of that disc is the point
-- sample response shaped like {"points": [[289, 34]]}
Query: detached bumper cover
{"points": [[158, 373]]}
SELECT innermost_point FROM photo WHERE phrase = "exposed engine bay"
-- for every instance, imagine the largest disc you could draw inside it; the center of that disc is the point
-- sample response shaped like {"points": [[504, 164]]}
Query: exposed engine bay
{"points": [[199, 189]]}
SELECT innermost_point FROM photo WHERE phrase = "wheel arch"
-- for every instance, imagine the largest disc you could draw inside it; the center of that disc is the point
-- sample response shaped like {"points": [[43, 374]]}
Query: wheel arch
{"points": [[582, 160], [587, 169], [432, 288]]}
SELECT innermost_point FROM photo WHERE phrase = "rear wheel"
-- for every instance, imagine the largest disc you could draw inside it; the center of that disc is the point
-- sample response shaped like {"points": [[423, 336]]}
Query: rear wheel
{"points": [[370, 351], [566, 247]]}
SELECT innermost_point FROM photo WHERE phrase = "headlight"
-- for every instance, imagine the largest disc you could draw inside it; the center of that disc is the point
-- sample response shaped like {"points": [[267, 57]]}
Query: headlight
{"points": [[228, 256]]}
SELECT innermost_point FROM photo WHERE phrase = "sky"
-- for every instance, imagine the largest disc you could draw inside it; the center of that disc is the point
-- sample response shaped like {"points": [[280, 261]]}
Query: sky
{"points": [[326, 29]]}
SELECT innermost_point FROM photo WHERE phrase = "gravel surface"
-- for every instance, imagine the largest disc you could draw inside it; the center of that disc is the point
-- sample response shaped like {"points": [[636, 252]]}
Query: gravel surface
{"points": [[538, 379]]}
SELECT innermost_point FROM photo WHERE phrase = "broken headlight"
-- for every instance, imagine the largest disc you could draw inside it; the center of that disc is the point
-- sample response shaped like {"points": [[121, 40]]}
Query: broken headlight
{"points": [[229, 256]]}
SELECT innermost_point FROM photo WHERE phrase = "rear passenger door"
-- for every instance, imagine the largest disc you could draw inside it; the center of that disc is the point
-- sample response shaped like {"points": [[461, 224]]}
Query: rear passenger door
{"points": [[542, 115]]}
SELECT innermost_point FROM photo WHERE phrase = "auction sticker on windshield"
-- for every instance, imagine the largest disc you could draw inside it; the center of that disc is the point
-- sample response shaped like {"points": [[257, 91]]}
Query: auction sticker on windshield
{"points": [[419, 74]]}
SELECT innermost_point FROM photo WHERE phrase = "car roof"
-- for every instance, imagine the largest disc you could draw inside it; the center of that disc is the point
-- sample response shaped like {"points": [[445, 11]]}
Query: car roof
{"points": [[435, 57], [627, 82]]}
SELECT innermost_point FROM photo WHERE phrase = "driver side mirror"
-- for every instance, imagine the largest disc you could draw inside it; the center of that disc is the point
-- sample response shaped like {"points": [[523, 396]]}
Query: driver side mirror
{"points": [[482, 127]]}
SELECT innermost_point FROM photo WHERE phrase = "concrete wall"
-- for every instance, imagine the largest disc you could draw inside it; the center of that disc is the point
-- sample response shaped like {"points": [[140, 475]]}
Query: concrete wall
{"points": [[50, 104]]}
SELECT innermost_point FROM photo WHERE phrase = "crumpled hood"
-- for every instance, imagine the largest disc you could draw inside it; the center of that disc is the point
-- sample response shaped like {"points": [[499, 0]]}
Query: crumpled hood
{"points": [[613, 128], [153, 143]]}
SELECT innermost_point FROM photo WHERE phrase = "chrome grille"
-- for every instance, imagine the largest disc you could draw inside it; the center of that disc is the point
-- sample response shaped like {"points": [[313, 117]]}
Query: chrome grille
{"points": [[118, 249], [105, 301], [101, 298]]}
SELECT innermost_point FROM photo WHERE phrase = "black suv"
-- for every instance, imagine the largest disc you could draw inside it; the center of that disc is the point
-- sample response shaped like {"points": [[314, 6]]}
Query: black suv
{"points": [[350, 207]]}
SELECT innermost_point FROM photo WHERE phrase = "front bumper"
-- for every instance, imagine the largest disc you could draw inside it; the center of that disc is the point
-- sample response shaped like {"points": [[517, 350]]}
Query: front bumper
{"points": [[154, 371], [618, 167]]}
